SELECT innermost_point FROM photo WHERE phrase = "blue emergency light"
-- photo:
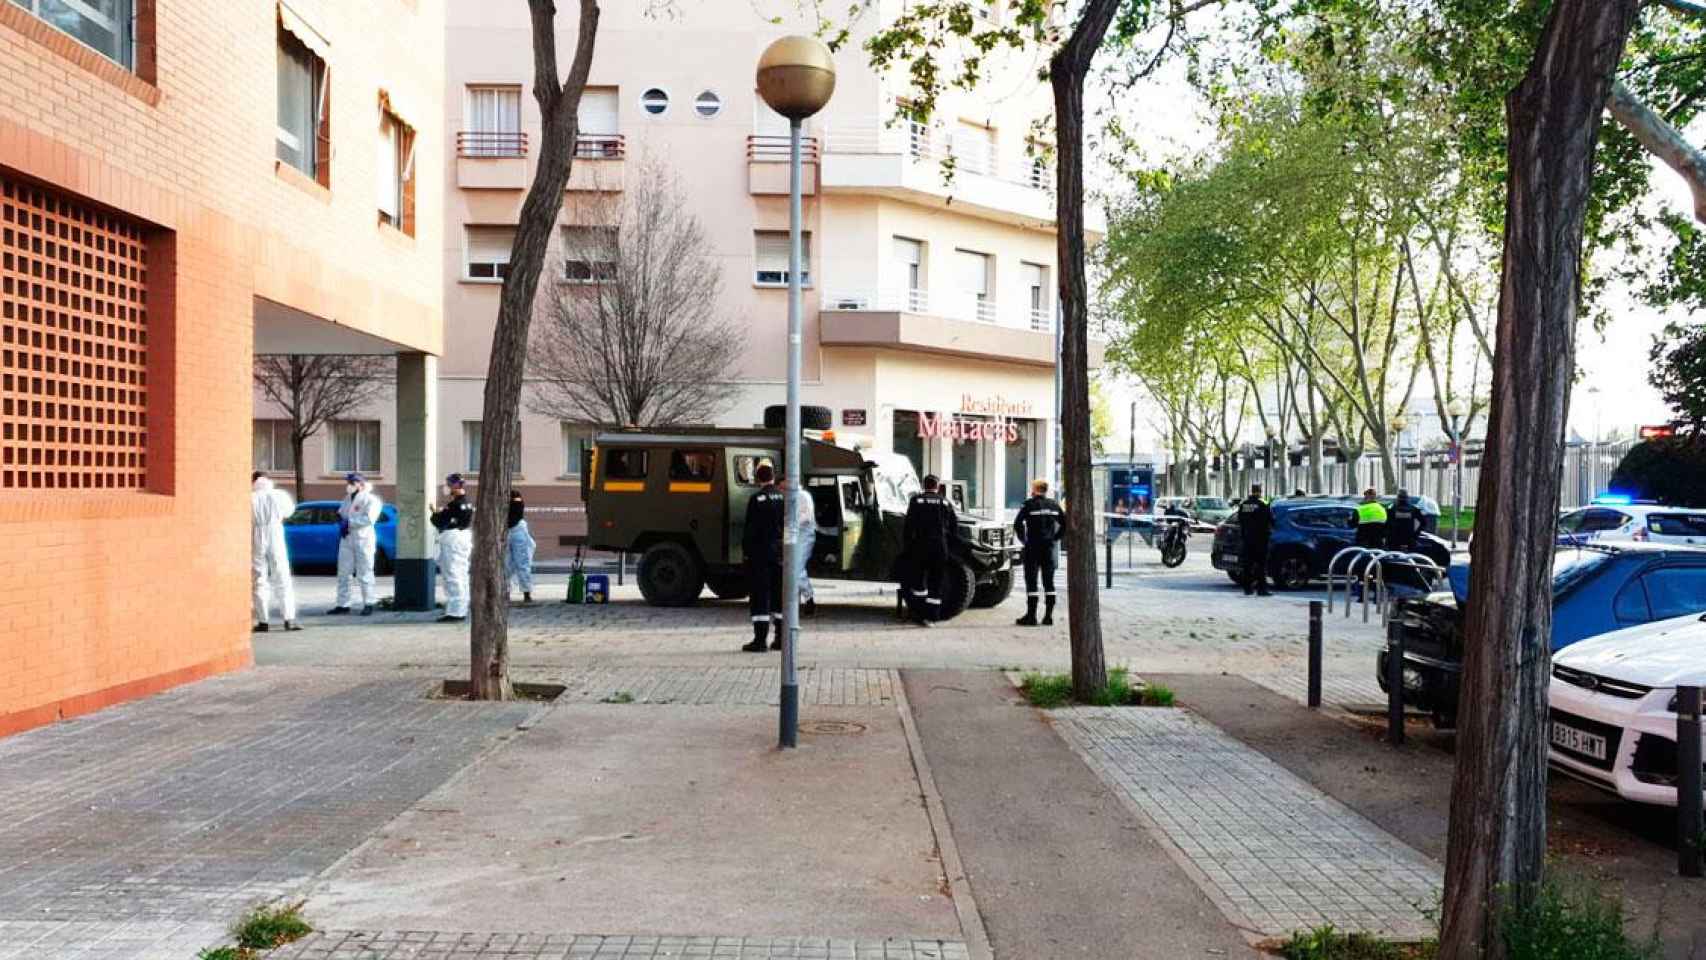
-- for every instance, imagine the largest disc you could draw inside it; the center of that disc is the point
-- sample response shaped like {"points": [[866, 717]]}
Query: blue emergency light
{"points": [[1614, 499]]}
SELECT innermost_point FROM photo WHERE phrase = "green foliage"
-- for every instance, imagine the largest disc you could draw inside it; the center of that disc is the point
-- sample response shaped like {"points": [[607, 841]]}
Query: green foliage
{"points": [[1670, 470], [264, 928], [1051, 690], [1327, 943], [1570, 919], [1047, 690], [1156, 695], [1679, 371], [222, 953]]}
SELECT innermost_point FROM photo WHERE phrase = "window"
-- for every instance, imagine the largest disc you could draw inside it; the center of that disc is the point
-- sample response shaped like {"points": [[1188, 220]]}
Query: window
{"points": [[1630, 606], [1326, 518], [909, 257], [396, 169], [746, 469], [975, 282], [488, 252], [1599, 520], [575, 445], [103, 25], [1036, 291], [472, 448], [1572, 522], [625, 464], [770, 256], [74, 396], [708, 104], [599, 129], [655, 101], [493, 122], [1677, 524], [974, 147], [1676, 591], [589, 254], [273, 452], [355, 446], [695, 465], [304, 115]]}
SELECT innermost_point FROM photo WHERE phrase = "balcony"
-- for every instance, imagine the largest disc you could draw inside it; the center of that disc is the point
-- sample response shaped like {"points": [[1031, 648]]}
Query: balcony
{"points": [[951, 322], [487, 160], [909, 161], [600, 163], [767, 165]]}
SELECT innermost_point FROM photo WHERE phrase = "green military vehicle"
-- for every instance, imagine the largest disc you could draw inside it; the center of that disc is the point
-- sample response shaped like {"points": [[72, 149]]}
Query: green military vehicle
{"points": [[677, 498]]}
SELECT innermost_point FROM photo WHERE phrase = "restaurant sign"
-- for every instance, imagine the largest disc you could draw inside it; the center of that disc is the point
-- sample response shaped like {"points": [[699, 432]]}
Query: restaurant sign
{"points": [[965, 429]]}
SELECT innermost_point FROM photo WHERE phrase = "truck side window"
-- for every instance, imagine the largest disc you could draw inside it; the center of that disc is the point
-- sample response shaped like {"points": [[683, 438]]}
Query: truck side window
{"points": [[691, 464], [625, 464], [746, 469], [852, 497]]}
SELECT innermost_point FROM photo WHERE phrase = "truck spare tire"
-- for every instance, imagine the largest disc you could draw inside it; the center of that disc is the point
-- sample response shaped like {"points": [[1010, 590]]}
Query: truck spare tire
{"points": [[811, 417]]}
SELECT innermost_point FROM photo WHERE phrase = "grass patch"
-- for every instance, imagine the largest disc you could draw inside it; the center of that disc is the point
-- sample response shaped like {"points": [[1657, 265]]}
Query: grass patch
{"points": [[264, 928], [221, 953], [1572, 918], [1051, 690], [620, 696], [1327, 943]]}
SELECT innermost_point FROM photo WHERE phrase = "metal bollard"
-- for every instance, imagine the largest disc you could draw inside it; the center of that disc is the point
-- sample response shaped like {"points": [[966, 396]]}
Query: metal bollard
{"points": [[1690, 830], [1109, 540], [1314, 654], [621, 565], [1395, 683]]}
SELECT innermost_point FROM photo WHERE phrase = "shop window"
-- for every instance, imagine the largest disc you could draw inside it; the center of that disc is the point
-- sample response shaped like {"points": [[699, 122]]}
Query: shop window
{"points": [[626, 464], [74, 324], [695, 465], [487, 251], [355, 446], [273, 452], [396, 173], [104, 26], [304, 110], [770, 255]]}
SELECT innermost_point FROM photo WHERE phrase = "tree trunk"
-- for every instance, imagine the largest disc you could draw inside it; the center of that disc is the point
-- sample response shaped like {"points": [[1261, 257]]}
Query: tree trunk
{"points": [[1317, 476], [296, 458], [1662, 141], [559, 105], [1497, 840], [1067, 70]]}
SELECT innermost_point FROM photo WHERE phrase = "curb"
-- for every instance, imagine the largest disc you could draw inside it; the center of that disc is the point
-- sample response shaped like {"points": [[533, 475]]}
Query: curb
{"points": [[965, 905]]}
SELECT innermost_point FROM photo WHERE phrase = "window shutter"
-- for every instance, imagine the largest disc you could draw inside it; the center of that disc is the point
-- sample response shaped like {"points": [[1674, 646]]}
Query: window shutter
{"points": [[974, 272], [598, 112], [386, 168], [490, 244], [974, 147], [771, 255], [908, 252]]}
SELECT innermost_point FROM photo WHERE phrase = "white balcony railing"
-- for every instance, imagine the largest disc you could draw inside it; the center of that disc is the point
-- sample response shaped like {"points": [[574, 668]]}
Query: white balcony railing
{"points": [[1042, 320], [956, 305], [932, 144]]}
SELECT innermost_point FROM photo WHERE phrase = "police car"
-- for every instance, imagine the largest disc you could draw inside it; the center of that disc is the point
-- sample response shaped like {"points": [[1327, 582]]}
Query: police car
{"points": [[1614, 517]]}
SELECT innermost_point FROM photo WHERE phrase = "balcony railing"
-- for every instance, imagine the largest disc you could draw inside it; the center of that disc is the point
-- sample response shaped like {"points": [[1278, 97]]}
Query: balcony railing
{"points": [[601, 146], [1042, 320], [770, 148], [934, 144], [956, 305], [486, 143]]}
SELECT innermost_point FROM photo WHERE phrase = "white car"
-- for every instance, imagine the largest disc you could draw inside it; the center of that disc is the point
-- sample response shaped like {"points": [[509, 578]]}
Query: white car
{"points": [[1615, 518], [1613, 717]]}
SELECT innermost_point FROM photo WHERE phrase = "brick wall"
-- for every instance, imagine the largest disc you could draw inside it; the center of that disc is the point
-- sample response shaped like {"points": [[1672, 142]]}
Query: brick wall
{"points": [[110, 595]]}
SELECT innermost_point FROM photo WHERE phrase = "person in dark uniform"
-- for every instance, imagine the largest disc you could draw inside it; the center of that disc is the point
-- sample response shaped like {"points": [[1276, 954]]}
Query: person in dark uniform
{"points": [[761, 540], [1403, 524], [454, 523], [1255, 525], [1039, 525], [930, 523]]}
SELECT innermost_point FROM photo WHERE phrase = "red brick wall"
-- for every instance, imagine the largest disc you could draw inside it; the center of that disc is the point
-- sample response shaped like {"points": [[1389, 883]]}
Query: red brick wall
{"points": [[106, 596]]}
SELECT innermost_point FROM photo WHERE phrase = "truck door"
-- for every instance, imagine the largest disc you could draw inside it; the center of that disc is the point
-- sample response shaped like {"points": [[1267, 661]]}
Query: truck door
{"points": [[852, 516], [740, 465], [694, 491]]}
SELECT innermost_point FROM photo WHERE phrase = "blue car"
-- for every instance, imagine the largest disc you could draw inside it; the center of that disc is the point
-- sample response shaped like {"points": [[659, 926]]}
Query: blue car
{"points": [[1308, 532], [1595, 589], [311, 536]]}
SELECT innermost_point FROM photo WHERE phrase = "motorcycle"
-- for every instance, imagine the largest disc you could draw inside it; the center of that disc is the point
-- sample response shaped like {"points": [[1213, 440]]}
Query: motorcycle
{"points": [[1170, 536]]}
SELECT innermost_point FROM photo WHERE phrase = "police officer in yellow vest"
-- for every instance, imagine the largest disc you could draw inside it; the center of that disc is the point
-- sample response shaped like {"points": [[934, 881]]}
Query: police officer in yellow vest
{"points": [[1371, 521]]}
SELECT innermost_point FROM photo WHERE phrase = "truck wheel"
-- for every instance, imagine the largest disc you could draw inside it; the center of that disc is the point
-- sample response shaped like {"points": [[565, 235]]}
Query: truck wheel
{"points": [[670, 575], [995, 592], [728, 586]]}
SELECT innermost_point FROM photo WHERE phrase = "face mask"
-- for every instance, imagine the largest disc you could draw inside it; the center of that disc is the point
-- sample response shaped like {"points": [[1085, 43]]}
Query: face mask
{"points": [[351, 488]]}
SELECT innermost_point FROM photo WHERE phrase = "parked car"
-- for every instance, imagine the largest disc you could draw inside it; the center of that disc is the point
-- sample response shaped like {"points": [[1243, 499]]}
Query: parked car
{"points": [[1595, 590], [1614, 700], [1307, 534], [311, 536], [1428, 506], [1618, 518]]}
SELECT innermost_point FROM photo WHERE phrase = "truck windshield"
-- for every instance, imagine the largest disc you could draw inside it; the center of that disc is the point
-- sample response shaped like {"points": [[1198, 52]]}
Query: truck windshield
{"points": [[895, 481]]}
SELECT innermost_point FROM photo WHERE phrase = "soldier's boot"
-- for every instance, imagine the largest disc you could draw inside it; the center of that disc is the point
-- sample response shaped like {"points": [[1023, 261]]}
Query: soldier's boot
{"points": [[1030, 617], [760, 630], [1048, 610], [776, 641]]}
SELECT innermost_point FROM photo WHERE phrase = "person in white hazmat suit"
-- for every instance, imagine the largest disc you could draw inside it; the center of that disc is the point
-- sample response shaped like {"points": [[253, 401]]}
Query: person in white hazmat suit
{"points": [[269, 560], [805, 527], [519, 548], [454, 523], [357, 540]]}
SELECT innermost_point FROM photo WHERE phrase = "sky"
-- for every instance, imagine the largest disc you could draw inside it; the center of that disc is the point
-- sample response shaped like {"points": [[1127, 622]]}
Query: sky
{"points": [[1612, 393]]}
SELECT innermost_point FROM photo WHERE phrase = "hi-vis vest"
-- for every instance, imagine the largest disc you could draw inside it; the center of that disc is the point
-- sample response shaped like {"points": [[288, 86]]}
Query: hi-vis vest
{"points": [[1370, 513]]}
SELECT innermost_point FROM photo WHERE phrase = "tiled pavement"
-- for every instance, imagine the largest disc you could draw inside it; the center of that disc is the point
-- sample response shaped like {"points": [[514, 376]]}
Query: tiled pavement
{"points": [[1273, 852], [726, 686], [411, 945]]}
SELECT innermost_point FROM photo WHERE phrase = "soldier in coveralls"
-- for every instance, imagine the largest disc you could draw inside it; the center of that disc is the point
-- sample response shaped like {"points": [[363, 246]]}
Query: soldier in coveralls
{"points": [[1039, 525], [761, 541], [930, 523]]}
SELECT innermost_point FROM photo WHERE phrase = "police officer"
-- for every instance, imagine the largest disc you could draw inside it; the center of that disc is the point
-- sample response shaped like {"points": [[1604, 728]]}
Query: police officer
{"points": [[761, 540], [930, 524], [1255, 525], [1403, 524], [1371, 520], [1039, 526], [454, 523]]}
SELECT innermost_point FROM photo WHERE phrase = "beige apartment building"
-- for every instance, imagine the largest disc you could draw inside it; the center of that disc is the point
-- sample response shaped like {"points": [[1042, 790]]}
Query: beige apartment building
{"points": [[929, 305]]}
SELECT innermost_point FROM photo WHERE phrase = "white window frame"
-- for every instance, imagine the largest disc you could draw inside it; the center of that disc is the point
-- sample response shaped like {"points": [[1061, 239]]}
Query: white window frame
{"points": [[501, 127], [500, 268], [472, 442], [122, 25], [278, 439], [590, 272], [716, 104], [780, 276], [392, 169], [319, 78], [576, 443], [668, 100], [372, 467]]}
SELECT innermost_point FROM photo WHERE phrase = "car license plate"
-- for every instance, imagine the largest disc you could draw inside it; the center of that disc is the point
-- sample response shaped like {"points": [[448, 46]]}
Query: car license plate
{"points": [[1578, 741]]}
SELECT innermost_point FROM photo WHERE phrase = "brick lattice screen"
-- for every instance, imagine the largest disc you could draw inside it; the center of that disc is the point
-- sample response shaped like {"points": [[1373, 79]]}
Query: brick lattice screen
{"points": [[73, 344]]}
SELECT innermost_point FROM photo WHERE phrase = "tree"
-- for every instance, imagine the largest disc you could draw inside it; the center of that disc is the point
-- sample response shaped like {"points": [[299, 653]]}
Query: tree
{"points": [[634, 336], [1679, 372], [314, 390], [1101, 418], [559, 110], [1497, 841]]}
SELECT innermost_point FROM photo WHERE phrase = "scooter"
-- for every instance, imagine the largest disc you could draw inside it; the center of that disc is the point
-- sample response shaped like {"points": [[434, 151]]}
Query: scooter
{"points": [[1170, 537]]}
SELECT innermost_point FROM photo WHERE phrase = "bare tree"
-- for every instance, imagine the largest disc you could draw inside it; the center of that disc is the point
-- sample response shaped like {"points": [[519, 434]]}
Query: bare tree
{"points": [[500, 427], [316, 390], [632, 334]]}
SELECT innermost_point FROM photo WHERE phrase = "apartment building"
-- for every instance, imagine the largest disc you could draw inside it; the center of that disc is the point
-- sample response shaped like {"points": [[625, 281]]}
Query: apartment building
{"points": [[184, 185]]}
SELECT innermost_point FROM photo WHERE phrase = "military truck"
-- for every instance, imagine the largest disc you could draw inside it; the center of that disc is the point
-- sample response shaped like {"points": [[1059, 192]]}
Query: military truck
{"points": [[677, 499]]}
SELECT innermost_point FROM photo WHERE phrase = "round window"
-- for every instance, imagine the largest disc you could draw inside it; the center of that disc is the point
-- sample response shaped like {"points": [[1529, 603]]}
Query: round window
{"points": [[708, 104], [655, 101]]}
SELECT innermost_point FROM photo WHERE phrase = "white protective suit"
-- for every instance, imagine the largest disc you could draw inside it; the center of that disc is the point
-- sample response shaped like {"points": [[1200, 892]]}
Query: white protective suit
{"points": [[455, 547], [805, 522], [519, 561], [269, 561], [355, 548]]}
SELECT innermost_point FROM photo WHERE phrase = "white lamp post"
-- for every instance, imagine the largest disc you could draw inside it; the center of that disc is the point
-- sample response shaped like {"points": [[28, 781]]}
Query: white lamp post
{"points": [[1455, 410], [796, 76]]}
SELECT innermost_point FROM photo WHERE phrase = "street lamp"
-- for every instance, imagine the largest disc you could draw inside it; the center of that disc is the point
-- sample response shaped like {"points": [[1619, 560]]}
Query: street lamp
{"points": [[1268, 456], [1455, 410], [796, 76]]}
